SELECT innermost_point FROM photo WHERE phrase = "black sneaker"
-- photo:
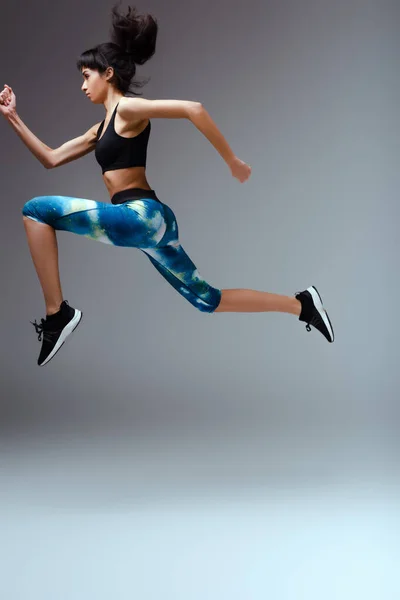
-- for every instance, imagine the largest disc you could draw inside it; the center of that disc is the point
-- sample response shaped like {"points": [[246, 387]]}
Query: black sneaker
{"points": [[55, 330], [313, 313]]}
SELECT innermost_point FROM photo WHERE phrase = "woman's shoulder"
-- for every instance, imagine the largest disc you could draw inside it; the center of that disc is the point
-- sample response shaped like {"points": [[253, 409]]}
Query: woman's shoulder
{"points": [[128, 116]]}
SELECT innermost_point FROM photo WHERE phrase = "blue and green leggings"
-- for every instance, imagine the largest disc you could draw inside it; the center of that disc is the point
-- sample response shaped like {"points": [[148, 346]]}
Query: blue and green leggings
{"points": [[135, 218]]}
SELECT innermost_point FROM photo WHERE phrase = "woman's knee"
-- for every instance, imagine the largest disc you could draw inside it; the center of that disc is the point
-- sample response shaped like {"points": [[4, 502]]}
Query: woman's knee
{"points": [[210, 302], [32, 208]]}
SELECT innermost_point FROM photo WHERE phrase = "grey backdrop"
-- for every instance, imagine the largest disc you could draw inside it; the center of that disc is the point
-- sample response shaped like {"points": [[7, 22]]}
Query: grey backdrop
{"points": [[166, 453]]}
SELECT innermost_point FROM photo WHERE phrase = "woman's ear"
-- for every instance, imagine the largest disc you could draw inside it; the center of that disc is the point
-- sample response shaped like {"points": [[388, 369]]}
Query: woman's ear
{"points": [[109, 73]]}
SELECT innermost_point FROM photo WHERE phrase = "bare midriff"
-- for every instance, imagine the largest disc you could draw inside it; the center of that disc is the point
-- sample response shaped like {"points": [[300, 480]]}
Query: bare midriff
{"points": [[124, 179]]}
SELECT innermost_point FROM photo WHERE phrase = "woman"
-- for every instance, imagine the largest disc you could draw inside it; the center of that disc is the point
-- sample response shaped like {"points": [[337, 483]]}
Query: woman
{"points": [[135, 217]]}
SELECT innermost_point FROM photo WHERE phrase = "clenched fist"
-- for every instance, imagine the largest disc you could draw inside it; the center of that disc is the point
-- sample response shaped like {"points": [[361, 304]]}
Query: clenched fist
{"points": [[240, 169], [8, 100]]}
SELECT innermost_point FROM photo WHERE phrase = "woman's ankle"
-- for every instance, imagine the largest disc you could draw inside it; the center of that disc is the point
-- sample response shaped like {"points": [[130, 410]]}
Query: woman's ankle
{"points": [[53, 309]]}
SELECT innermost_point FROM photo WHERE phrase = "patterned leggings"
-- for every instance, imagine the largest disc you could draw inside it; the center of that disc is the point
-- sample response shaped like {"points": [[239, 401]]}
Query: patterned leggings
{"points": [[135, 218]]}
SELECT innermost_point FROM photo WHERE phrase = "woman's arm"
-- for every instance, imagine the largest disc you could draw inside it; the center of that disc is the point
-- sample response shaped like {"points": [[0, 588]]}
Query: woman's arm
{"points": [[37, 147], [49, 158], [204, 123], [8, 108], [75, 148], [140, 108]]}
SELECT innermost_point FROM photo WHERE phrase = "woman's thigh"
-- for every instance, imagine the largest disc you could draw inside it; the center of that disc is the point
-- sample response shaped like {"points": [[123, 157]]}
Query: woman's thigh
{"points": [[134, 224]]}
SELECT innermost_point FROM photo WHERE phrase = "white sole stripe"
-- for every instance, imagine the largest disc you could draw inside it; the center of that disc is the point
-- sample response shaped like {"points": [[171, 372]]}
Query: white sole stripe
{"points": [[318, 305]]}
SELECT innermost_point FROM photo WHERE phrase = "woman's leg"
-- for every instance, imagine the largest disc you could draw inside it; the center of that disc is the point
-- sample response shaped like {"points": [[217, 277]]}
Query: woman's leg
{"points": [[177, 268], [169, 258], [244, 300], [97, 220], [42, 242], [43, 215]]}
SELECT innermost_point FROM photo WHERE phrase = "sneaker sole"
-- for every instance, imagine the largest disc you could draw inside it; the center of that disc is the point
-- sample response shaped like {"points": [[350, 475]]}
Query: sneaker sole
{"points": [[319, 306], [68, 329]]}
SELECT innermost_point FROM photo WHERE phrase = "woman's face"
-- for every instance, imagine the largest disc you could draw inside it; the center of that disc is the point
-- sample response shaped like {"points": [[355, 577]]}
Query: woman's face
{"points": [[94, 85]]}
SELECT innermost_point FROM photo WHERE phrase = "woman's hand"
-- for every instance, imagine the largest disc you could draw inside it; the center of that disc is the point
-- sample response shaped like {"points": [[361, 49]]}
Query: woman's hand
{"points": [[240, 169], [8, 101]]}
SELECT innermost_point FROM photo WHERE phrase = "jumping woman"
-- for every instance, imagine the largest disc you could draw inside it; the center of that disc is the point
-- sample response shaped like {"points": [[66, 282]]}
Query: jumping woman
{"points": [[135, 217]]}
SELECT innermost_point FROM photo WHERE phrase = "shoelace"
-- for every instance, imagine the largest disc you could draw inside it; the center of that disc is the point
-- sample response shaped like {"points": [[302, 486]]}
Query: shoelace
{"points": [[41, 330], [314, 321]]}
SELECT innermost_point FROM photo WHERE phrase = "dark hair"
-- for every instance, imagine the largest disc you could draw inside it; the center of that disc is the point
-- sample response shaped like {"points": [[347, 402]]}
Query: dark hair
{"points": [[133, 42]]}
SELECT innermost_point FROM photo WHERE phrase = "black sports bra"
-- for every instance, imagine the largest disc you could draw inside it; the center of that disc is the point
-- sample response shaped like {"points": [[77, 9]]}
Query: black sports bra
{"points": [[116, 152]]}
